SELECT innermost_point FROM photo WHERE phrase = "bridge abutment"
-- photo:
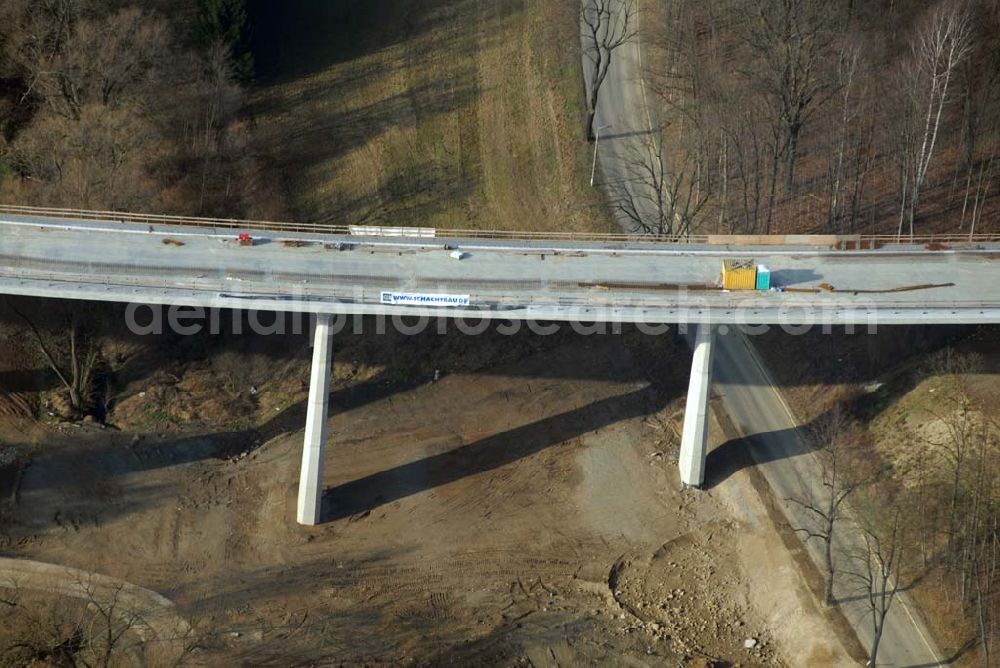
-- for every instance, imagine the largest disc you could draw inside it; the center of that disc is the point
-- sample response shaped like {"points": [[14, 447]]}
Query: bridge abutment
{"points": [[694, 441], [314, 444]]}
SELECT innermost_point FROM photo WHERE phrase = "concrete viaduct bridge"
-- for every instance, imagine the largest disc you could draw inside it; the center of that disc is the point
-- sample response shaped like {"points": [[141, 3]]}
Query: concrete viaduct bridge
{"points": [[333, 270]]}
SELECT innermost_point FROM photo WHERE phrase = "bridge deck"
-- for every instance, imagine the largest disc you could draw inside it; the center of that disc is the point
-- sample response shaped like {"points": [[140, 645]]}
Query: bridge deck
{"points": [[545, 280]]}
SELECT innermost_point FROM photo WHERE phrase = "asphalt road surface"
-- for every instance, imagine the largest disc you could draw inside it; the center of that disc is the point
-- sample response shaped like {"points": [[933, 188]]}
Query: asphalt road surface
{"points": [[746, 390], [758, 411], [626, 118]]}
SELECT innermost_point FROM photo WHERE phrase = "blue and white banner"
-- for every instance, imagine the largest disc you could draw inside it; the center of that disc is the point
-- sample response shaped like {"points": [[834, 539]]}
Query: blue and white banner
{"points": [[419, 299]]}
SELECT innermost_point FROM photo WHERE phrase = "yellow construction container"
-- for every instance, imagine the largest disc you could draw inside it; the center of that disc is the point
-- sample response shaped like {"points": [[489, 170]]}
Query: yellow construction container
{"points": [[739, 275]]}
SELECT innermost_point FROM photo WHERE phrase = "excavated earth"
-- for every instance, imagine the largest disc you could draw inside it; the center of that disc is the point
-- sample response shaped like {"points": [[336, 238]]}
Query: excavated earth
{"points": [[530, 514]]}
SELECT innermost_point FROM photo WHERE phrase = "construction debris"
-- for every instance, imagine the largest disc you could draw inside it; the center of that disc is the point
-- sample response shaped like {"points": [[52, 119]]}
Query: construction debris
{"points": [[904, 288]]}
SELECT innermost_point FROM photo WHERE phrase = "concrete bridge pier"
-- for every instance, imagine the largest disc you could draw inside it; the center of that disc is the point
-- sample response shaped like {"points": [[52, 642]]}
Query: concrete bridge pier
{"points": [[694, 440], [314, 445]]}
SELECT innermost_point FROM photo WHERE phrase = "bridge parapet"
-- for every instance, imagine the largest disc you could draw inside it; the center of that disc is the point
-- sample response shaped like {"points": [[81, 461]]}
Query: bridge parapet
{"points": [[826, 241]]}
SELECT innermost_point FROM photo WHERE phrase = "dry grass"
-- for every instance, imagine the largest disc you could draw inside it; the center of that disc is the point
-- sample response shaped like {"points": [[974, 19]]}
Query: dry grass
{"points": [[438, 113], [904, 419]]}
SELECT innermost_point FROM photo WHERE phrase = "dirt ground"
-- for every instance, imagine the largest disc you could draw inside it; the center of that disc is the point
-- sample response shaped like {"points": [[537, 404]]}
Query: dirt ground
{"points": [[530, 514]]}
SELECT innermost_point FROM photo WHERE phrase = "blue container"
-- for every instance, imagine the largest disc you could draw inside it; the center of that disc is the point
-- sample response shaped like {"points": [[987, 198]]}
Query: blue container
{"points": [[763, 277]]}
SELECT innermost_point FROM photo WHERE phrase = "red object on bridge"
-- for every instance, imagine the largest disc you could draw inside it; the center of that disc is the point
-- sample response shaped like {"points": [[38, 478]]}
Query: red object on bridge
{"points": [[245, 239]]}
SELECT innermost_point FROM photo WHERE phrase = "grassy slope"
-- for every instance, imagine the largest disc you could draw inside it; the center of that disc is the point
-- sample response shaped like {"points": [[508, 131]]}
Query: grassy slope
{"points": [[814, 371], [920, 412], [443, 113]]}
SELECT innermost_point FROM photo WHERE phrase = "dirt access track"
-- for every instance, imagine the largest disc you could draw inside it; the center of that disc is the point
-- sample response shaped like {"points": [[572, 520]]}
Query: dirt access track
{"points": [[155, 615], [529, 515]]}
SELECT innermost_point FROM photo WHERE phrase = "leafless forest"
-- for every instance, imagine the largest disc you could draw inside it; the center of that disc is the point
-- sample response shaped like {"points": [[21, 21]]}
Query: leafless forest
{"points": [[930, 516], [798, 115], [807, 116], [948, 500], [113, 105]]}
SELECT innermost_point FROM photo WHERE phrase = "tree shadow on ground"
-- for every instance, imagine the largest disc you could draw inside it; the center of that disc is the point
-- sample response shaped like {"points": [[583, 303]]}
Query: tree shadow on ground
{"points": [[320, 134], [296, 38], [961, 651], [306, 117], [32, 380], [151, 451]]}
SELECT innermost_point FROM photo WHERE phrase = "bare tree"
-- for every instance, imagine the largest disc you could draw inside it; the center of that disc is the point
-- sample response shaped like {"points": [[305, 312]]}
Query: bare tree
{"points": [[754, 149], [980, 94], [111, 629], [70, 60], [980, 187], [658, 199], [791, 39], [607, 25], [830, 436], [987, 586], [74, 362], [111, 59], [220, 99], [97, 630], [852, 155], [938, 48], [102, 160], [863, 162], [877, 569], [962, 428], [957, 502], [39, 33]]}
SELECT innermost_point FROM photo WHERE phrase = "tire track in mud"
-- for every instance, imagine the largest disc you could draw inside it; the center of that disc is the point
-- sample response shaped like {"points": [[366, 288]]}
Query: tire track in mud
{"points": [[496, 567]]}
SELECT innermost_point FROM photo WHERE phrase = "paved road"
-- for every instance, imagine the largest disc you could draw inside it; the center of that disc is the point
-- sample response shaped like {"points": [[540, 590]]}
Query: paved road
{"points": [[623, 106], [747, 393], [762, 417]]}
